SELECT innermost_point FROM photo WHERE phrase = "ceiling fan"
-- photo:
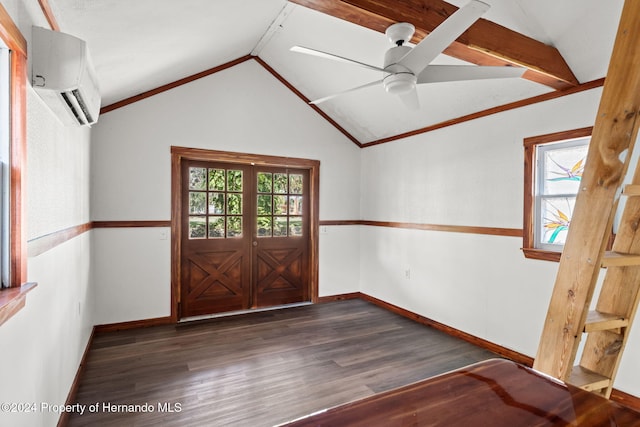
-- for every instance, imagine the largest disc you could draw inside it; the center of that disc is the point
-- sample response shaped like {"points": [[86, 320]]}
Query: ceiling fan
{"points": [[405, 67]]}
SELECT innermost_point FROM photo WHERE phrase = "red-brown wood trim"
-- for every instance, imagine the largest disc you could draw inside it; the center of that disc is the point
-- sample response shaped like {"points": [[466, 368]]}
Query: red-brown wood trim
{"points": [[242, 158], [307, 101], [48, 13], [491, 231], [10, 33], [341, 222], [625, 399], [135, 324], [541, 255], [484, 43], [490, 111], [130, 224], [18, 163], [558, 136], [339, 297], [42, 244], [172, 85], [13, 300], [498, 349], [16, 43], [63, 421]]}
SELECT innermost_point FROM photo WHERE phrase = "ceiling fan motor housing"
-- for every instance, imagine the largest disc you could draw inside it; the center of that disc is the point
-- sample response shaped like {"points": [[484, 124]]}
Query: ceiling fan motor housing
{"points": [[400, 79]]}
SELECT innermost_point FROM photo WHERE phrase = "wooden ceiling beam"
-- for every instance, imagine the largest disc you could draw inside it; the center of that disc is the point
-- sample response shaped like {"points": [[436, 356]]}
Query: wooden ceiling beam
{"points": [[484, 43]]}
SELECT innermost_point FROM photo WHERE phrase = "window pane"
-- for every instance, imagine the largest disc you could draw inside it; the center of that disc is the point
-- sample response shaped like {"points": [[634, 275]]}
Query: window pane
{"points": [[295, 205], [556, 217], [216, 179], [280, 183], [280, 205], [264, 182], [197, 178], [216, 227], [295, 226], [295, 184], [235, 204], [234, 180], [280, 226], [563, 169], [216, 203], [264, 205], [234, 226], [264, 226], [197, 203], [197, 227]]}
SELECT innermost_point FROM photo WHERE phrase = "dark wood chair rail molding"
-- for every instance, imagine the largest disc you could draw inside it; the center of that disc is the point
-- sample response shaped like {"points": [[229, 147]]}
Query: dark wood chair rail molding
{"points": [[491, 231], [42, 244], [130, 224]]}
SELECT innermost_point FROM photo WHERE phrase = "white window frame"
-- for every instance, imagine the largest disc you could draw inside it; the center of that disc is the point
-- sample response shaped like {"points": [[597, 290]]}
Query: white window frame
{"points": [[541, 150]]}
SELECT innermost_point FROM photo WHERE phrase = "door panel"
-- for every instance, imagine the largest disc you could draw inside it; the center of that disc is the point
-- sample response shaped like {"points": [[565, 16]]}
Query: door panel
{"points": [[281, 248], [216, 239]]}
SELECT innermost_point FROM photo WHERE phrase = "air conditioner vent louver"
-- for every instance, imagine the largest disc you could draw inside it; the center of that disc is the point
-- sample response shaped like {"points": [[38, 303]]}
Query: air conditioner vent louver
{"points": [[63, 76]]}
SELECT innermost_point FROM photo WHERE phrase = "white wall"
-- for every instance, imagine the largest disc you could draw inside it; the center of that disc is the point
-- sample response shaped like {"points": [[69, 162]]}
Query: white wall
{"points": [[468, 174], [242, 109], [42, 345]]}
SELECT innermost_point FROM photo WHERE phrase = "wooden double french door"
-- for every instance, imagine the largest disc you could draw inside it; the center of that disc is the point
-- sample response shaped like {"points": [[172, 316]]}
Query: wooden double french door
{"points": [[245, 237]]}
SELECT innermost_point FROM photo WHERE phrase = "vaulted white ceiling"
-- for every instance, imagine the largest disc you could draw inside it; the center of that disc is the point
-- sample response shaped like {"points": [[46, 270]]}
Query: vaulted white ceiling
{"points": [[140, 45]]}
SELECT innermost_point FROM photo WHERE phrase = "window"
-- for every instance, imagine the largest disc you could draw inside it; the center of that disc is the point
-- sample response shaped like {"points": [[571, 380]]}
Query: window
{"points": [[14, 67], [5, 136], [280, 198], [553, 170]]}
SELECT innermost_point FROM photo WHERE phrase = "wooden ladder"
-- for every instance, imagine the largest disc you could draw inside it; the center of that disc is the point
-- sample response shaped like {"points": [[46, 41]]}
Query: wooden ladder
{"points": [[568, 317]]}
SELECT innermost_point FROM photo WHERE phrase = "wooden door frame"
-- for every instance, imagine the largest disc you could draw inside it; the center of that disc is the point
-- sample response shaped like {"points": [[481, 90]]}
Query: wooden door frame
{"points": [[178, 154]]}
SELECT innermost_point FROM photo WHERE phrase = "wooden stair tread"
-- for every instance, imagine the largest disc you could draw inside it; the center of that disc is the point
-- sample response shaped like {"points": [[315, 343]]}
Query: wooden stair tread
{"points": [[631, 190], [617, 259], [597, 321], [587, 379]]}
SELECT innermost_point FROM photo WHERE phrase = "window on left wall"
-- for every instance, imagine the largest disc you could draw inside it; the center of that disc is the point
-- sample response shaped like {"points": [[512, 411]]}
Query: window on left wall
{"points": [[14, 78]]}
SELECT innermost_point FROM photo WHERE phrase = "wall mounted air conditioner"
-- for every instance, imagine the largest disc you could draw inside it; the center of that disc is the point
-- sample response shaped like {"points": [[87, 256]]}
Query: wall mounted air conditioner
{"points": [[62, 74]]}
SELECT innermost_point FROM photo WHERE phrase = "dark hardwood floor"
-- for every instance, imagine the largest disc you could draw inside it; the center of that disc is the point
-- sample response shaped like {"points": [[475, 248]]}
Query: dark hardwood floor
{"points": [[259, 369]]}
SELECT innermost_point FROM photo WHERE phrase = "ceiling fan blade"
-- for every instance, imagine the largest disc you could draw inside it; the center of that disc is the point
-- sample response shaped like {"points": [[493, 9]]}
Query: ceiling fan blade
{"points": [[451, 73], [442, 36], [410, 99], [326, 98], [319, 53]]}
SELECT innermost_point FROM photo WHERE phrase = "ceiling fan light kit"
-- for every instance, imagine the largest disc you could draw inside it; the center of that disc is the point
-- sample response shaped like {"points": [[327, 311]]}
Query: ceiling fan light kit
{"points": [[405, 67]]}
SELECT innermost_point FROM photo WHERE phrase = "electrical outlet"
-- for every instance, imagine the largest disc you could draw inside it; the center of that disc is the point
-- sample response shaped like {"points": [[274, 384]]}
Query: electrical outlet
{"points": [[407, 274]]}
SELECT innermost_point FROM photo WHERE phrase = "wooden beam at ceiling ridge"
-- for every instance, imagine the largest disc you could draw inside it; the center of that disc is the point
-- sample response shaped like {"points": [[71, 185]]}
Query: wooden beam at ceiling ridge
{"points": [[485, 43]]}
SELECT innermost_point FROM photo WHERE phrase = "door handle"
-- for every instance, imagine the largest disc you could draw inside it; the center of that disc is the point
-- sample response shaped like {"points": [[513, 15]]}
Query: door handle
{"points": [[255, 243]]}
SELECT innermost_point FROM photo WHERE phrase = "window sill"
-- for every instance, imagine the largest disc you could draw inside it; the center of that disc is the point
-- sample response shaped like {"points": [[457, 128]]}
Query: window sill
{"points": [[13, 299], [541, 254]]}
